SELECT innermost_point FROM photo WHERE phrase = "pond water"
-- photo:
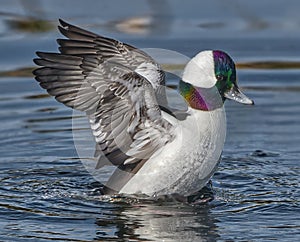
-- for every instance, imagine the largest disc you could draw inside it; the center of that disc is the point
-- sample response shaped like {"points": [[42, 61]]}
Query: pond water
{"points": [[45, 192]]}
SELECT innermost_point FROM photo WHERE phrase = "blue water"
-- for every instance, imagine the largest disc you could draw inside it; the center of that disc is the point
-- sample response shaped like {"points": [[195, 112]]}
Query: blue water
{"points": [[46, 193]]}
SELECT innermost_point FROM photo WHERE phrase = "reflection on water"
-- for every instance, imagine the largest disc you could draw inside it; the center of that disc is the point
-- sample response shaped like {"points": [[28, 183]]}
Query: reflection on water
{"points": [[168, 222], [46, 193]]}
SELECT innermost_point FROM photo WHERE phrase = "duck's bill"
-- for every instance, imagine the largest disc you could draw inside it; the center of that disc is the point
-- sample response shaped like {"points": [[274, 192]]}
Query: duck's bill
{"points": [[236, 95]]}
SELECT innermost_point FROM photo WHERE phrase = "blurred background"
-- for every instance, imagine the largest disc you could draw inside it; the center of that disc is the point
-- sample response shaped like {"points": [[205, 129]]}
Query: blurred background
{"points": [[268, 27], [45, 192]]}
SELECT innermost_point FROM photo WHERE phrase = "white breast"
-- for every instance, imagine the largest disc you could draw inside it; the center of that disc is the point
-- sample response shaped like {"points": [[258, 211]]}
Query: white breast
{"points": [[185, 165]]}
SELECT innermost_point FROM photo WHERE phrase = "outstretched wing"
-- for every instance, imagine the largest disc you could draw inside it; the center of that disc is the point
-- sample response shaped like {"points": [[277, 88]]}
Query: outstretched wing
{"points": [[116, 85]]}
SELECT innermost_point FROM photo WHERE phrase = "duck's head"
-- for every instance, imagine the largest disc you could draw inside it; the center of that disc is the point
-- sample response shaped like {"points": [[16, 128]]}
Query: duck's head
{"points": [[211, 70]]}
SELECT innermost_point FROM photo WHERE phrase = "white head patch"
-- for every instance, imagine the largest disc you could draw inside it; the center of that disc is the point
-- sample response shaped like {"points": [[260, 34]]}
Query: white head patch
{"points": [[200, 71]]}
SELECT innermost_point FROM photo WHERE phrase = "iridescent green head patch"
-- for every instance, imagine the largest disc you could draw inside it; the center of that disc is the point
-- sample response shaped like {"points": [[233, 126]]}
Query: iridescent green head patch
{"points": [[225, 71]]}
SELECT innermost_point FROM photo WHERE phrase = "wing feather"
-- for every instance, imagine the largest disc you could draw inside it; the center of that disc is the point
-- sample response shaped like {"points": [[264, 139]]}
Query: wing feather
{"points": [[110, 81]]}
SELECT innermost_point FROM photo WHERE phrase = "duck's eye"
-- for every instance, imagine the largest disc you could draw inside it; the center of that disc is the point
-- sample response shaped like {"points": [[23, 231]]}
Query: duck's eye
{"points": [[220, 77]]}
